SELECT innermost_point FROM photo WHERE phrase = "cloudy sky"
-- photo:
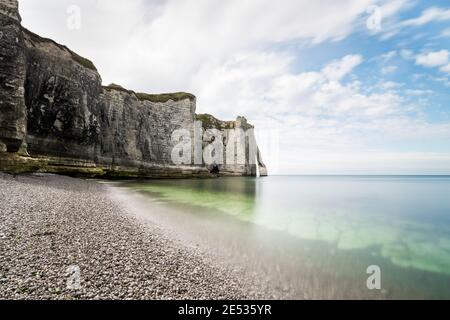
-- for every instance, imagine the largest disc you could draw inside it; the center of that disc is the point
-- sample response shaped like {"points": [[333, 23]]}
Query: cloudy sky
{"points": [[334, 87]]}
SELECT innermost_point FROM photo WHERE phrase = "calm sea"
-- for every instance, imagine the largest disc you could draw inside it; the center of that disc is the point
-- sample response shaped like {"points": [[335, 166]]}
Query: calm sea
{"points": [[318, 236]]}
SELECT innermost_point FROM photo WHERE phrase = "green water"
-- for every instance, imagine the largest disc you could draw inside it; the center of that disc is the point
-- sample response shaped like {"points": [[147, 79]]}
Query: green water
{"points": [[324, 229]]}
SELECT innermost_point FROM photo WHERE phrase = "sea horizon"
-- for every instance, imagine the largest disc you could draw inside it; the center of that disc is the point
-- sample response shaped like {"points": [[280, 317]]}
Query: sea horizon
{"points": [[358, 175]]}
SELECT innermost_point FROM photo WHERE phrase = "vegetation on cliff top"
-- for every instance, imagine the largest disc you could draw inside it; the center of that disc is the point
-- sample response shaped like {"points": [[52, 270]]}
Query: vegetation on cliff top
{"points": [[210, 122], [117, 87], [157, 98], [83, 61], [164, 97]]}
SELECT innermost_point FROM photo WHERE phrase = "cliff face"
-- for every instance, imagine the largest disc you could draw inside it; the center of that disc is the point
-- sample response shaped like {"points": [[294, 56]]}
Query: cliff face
{"points": [[12, 77], [55, 116]]}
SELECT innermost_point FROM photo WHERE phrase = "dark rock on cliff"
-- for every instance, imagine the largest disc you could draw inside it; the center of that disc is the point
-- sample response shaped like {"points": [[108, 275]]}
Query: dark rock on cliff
{"points": [[56, 116]]}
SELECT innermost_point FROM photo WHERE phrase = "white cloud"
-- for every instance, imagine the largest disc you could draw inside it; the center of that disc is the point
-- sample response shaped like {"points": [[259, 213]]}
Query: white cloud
{"points": [[389, 9], [278, 91], [407, 54], [418, 92], [340, 68], [433, 59], [445, 33], [443, 80], [390, 85], [446, 68], [393, 27], [439, 59], [388, 70], [161, 45], [327, 95], [388, 56], [430, 15]]}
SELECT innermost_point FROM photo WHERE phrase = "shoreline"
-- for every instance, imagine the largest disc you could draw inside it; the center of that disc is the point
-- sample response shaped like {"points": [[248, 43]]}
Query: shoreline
{"points": [[50, 224]]}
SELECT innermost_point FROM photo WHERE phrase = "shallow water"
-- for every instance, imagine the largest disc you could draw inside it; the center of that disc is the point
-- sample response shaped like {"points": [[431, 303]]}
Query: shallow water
{"points": [[315, 236]]}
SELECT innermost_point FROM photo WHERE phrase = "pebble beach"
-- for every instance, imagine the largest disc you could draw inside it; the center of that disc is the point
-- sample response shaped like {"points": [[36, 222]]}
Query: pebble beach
{"points": [[65, 238]]}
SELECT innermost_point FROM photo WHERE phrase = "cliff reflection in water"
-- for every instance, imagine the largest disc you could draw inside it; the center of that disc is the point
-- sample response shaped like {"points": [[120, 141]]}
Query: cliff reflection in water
{"points": [[318, 234], [233, 196]]}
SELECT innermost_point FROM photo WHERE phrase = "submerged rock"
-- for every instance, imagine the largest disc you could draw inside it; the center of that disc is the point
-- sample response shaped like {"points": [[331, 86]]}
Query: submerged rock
{"points": [[55, 116]]}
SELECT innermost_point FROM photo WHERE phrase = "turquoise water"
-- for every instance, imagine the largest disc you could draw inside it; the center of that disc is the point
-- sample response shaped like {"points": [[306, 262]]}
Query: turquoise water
{"points": [[316, 235]]}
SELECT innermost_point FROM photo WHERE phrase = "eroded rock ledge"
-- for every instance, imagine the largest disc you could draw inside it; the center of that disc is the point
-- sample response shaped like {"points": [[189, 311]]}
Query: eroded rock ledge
{"points": [[55, 115]]}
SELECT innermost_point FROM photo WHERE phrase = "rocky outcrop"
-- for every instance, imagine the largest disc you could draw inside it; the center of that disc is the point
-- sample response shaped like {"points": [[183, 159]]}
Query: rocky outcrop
{"points": [[55, 116]]}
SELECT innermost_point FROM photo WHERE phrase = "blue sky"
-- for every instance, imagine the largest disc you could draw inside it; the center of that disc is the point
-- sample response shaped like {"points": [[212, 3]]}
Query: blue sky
{"points": [[392, 59], [329, 92], [429, 37]]}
